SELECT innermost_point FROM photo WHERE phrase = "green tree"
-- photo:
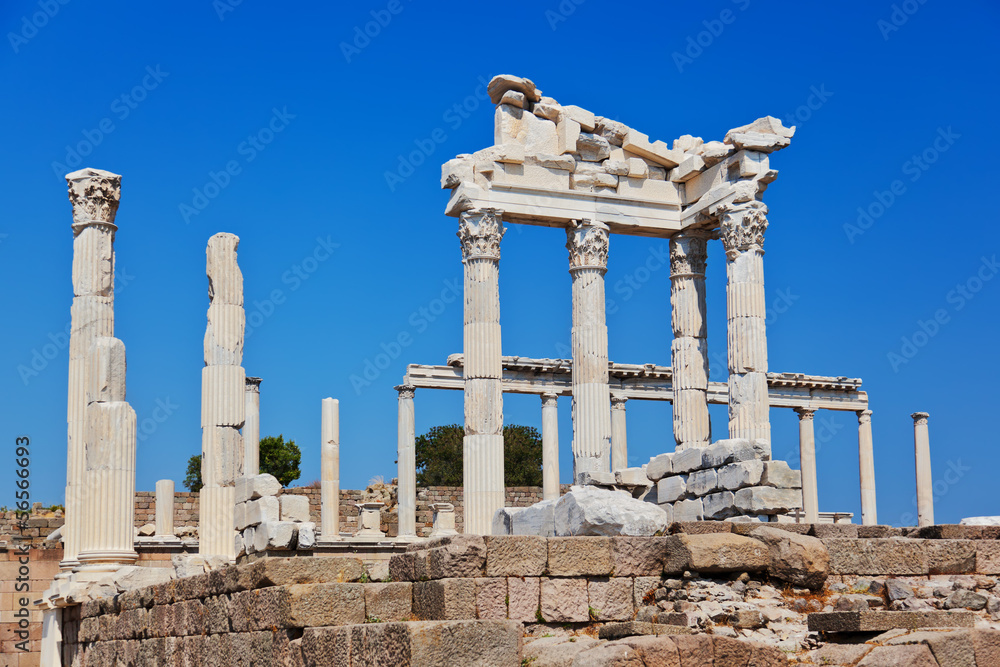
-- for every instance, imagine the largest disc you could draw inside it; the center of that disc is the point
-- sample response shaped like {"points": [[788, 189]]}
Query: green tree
{"points": [[439, 456], [277, 457]]}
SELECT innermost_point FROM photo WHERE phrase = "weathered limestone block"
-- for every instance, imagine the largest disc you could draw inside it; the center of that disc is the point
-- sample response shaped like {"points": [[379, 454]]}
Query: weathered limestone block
{"points": [[587, 510], [257, 486], [637, 556], [951, 556], [491, 597], [326, 604], [721, 505], [456, 556], [285, 571], [739, 475], [516, 556], [225, 280], [638, 143], [501, 83], [281, 534], [778, 474], [689, 510], [727, 451], [224, 334], [687, 460], [716, 552], [580, 556], [262, 510], [659, 467], [893, 556], [881, 621], [798, 559], [671, 489], [445, 599], [390, 601], [223, 403], [564, 600], [611, 598], [767, 500], [523, 598], [294, 507], [592, 147], [702, 482], [988, 557]]}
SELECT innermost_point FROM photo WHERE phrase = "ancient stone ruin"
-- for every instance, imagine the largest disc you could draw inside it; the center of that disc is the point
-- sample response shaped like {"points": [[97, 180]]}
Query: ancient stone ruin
{"points": [[713, 553]]}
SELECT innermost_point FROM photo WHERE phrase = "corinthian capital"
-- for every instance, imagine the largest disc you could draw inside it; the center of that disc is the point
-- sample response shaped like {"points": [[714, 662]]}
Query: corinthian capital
{"points": [[587, 242], [94, 194], [480, 232], [742, 227], [689, 251]]}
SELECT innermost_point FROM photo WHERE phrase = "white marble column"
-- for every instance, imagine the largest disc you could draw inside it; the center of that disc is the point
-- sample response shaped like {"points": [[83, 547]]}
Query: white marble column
{"points": [[807, 461], [689, 348], [925, 483], [251, 428], [165, 508], [223, 403], [866, 462], [480, 233], [406, 462], [587, 242], [95, 195], [108, 524], [619, 441], [742, 228], [550, 447], [330, 470]]}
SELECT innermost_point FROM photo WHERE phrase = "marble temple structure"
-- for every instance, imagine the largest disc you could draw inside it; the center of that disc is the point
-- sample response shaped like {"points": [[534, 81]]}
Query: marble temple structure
{"points": [[557, 165], [223, 404]]}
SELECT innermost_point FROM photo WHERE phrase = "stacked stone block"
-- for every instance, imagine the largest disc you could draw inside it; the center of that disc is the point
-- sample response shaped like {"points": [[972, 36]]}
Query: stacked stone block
{"points": [[266, 520], [729, 479]]}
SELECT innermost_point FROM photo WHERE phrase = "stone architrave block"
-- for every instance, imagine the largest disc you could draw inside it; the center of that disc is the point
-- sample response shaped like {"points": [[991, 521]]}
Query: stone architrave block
{"points": [[523, 598], [224, 335], [257, 486], [721, 505], [703, 482], [687, 460], [637, 556], [736, 476], [611, 598], [564, 600], [222, 396], [445, 599], [689, 510], [767, 500], [491, 597], [262, 510], [659, 467], [391, 601], [516, 556], [580, 556], [778, 474], [874, 556], [326, 604], [671, 489], [294, 507]]}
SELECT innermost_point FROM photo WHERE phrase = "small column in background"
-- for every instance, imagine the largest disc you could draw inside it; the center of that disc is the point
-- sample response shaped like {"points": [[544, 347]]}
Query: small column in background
{"points": [[925, 484], [330, 470]]}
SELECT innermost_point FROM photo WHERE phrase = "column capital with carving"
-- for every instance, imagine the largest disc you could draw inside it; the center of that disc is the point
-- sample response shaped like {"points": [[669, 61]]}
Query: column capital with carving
{"points": [[742, 227], [253, 384], [689, 252], [920, 418], [405, 390], [94, 194], [550, 400], [587, 242], [805, 414], [480, 232], [864, 416], [618, 401]]}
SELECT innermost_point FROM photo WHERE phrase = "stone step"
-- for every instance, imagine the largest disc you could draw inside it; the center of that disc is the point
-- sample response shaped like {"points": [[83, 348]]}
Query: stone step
{"points": [[880, 621], [632, 628]]}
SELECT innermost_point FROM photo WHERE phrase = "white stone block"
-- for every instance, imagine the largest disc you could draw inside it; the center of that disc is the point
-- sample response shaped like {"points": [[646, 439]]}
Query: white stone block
{"points": [[239, 545], [702, 482], [638, 143], [256, 486], [561, 162], [687, 143], [767, 500], [762, 448], [503, 520], [106, 370], [260, 534], [294, 507], [660, 466], [282, 535], [222, 399], [263, 510], [632, 477], [739, 475], [588, 510], [582, 116], [307, 535], [649, 188], [456, 171], [537, 519], [719, 505], [602, 478], [688, 459], [689, 510], [671, 489], [567, 133], [592, 147], [780, 475], [248, 539], [224, 335], [616, 167], [728, 451], [240, 516], [688, 169], [637, 168]]}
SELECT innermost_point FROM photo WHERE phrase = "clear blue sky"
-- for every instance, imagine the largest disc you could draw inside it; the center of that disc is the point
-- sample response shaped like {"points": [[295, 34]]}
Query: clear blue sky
{"points": [[200, 82]]}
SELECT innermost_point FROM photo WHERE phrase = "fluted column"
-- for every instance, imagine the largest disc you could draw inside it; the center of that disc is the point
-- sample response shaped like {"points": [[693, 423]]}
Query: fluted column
{"points": [[807, 461], [480, 233], [95, 195], [107, 526], [587, 242], [223, 404], [330, 470], [689, 348], [742, 229], [251, 428], [619, 442], [165, 508], [925, 483], [550, 447], [406, 462], [866, 462]]}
